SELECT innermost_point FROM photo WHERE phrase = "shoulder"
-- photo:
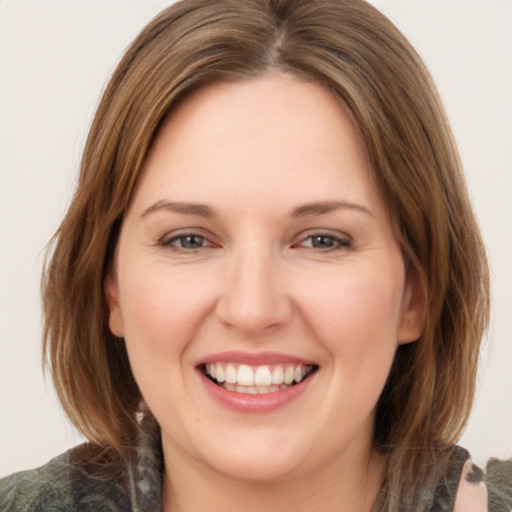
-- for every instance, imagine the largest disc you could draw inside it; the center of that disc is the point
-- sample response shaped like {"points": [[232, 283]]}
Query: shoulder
{"points": [[498, 479], [34, 489], [89, 478], [471, 492], [489, 491], [68, 482]]}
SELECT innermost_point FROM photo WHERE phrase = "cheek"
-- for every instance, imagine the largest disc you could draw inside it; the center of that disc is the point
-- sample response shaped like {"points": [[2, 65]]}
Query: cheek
{"points": [[162, 311], [355, 312]]}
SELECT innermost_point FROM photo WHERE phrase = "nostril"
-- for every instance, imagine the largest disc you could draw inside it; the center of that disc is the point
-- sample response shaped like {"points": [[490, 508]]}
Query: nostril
{"points": [[251, 318]]}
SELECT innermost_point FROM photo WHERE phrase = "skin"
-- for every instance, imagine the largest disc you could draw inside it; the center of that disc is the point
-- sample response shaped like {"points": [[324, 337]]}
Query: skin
{"points": [[471, 496], [253, 152]]}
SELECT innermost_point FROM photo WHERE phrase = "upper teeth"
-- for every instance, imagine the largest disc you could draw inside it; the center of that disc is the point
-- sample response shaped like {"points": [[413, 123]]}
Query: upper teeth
{"points": [[264, 375]]}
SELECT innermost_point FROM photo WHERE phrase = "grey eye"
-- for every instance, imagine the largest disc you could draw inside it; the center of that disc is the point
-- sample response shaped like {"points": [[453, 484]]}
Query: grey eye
{"points": [[323, 241], [189, 241]]}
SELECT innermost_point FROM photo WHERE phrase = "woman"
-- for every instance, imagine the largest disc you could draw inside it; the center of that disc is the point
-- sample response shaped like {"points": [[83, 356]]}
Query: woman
{"points": [[269, 287]]}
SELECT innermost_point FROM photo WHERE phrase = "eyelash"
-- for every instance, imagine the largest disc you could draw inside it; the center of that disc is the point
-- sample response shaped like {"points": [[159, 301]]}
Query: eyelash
{"points": [[337, 243], [169, 243]]}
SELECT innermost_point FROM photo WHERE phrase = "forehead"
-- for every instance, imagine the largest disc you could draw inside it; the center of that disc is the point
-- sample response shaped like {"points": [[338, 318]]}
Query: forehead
{"points": [[271, 137]]}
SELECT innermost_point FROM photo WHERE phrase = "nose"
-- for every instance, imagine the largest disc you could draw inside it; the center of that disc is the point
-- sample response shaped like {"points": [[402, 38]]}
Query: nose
{"points": [[254, 299]]}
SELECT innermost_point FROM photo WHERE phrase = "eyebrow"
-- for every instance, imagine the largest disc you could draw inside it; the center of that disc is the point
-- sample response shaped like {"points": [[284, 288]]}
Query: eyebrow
{"points": [[327, 207], [305, 210], [199, 210]]}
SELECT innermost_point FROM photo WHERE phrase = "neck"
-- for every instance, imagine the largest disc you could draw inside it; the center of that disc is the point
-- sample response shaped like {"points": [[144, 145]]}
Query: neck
{"points": [[192, 487]]}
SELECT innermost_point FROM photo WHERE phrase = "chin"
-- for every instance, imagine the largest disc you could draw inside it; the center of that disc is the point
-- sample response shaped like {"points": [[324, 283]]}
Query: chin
{"points": [[261, 470], [256, 458]]}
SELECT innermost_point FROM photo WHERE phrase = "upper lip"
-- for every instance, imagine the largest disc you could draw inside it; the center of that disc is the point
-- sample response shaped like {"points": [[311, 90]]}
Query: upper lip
{"points": [[253, 358]]}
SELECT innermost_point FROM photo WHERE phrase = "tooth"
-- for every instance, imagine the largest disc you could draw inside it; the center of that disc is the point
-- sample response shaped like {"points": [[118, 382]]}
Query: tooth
{"points": [[245, 375], [219, 373], [278, 375], [210, 368], [251, 390], [298, 374], [303, 371], [289, 374], [230, 374], [272, 389], [263, 376], [230, 386]]}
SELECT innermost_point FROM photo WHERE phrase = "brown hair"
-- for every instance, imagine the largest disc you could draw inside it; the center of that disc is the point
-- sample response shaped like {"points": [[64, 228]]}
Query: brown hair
{"points": [[356, 53]]}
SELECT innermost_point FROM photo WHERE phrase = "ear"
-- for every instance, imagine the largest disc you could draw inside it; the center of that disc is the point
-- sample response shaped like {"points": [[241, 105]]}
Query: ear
{"points": [[413, 311], [115, 319]]}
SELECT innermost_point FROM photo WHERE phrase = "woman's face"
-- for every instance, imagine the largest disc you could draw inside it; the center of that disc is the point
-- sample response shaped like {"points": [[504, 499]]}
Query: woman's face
{"points": [[258, 282]]}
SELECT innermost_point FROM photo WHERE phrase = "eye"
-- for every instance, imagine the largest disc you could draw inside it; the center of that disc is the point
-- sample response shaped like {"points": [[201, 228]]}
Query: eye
{"points": [[186, 242], [325, 241]]}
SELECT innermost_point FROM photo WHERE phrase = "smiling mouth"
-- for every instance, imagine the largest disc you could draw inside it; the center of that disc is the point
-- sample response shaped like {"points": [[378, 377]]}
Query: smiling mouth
{"points": [[255, 380]]}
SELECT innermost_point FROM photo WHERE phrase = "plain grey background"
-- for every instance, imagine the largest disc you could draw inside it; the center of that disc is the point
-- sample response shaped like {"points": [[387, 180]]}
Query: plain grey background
{"points": [[55, 57]]}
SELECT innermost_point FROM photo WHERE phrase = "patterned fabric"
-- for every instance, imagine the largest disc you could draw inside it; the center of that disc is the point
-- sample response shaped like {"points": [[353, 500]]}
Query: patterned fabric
{"points": [[440, 478], [84, 480], [498, 478]]}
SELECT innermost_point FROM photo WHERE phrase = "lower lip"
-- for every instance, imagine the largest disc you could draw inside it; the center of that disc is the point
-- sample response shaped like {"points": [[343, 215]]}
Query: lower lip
{"points": [[260, 403]]}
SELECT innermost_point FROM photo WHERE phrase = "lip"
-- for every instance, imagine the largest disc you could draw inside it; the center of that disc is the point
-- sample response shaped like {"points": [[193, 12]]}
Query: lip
{"points": [[258, 403], [253, 359]]}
